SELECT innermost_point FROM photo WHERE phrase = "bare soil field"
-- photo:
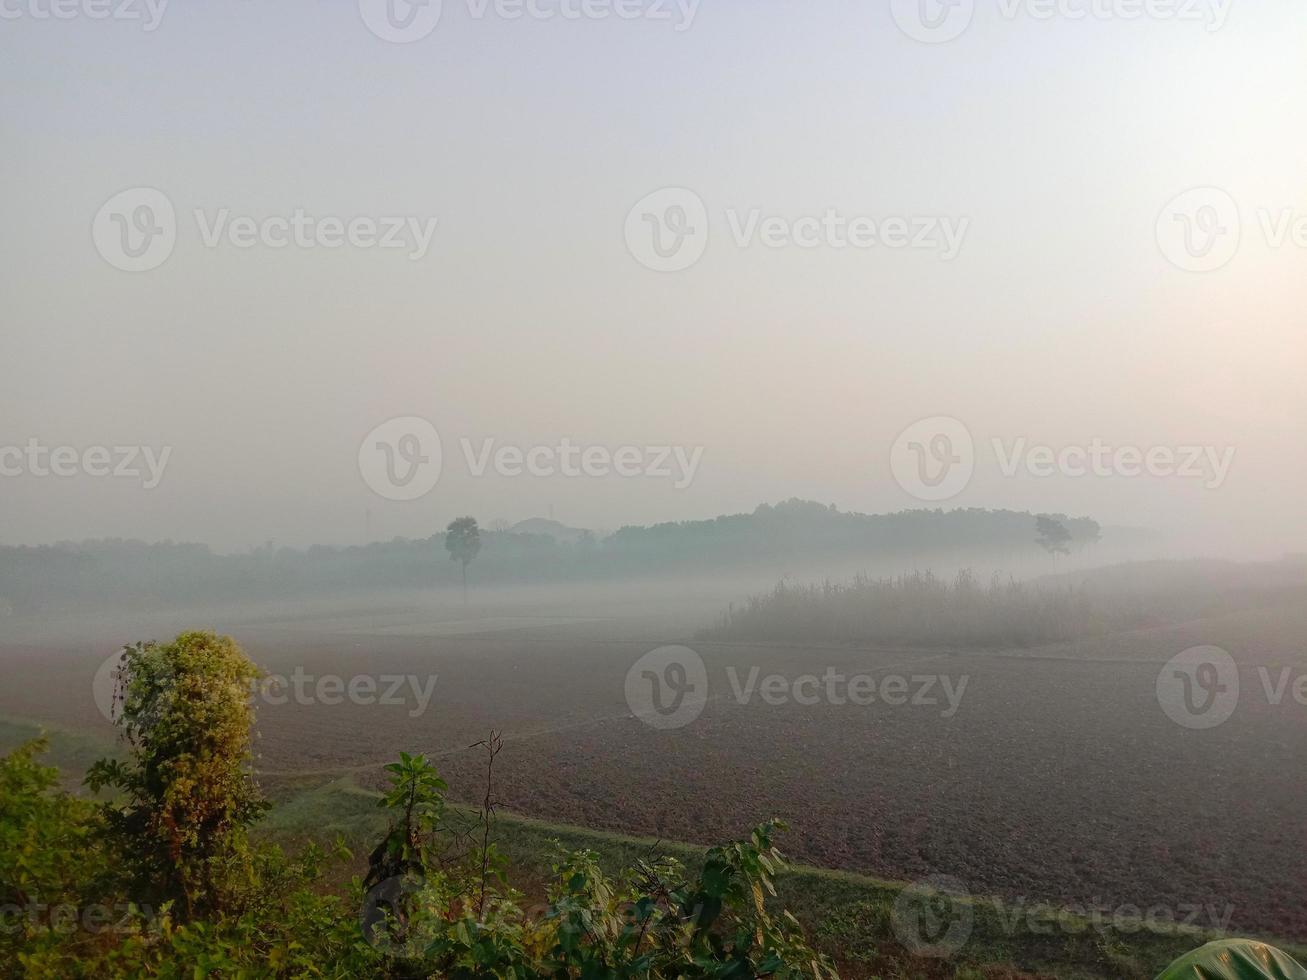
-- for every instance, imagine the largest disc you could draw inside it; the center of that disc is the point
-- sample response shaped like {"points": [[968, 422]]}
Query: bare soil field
{"points": [[1057, 779]]}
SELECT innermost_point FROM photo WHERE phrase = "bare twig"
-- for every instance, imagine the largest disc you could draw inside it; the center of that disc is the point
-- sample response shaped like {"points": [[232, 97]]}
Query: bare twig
{"points": [[493, 746]]}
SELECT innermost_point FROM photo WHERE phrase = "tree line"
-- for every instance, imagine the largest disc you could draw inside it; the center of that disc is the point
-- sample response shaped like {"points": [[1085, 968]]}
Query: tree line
{"points": [[35, 578]]}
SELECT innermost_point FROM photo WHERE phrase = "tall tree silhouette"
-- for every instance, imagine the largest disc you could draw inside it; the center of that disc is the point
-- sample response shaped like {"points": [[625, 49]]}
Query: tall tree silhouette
{"points": [[463, 542], [1052, 535]]}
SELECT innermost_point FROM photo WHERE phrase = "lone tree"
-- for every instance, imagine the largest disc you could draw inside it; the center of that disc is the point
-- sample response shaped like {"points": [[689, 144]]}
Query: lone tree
{"points": [[463, 541], [1053, 536]]}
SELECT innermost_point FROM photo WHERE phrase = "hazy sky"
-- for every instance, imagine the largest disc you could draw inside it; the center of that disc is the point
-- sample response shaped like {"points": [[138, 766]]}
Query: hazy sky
{"points": [[1050, 145]]}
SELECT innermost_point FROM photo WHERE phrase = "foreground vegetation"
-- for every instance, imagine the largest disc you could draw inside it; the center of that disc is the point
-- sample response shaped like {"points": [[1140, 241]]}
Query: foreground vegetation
{"points": [[414, 886], [165, 880], [849, 917]]}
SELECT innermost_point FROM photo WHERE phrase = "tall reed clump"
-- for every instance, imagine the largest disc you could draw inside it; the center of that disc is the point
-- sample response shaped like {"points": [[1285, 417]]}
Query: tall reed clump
{"points": [[918, 609]]}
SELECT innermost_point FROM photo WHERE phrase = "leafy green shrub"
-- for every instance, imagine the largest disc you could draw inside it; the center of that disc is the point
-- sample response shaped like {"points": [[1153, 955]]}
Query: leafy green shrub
{"points": [[187, 793], [51, 865]]}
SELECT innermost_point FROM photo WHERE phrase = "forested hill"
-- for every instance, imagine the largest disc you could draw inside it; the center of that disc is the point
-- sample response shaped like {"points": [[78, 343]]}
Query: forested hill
{"points": [[772, 536], [798, 528]]}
